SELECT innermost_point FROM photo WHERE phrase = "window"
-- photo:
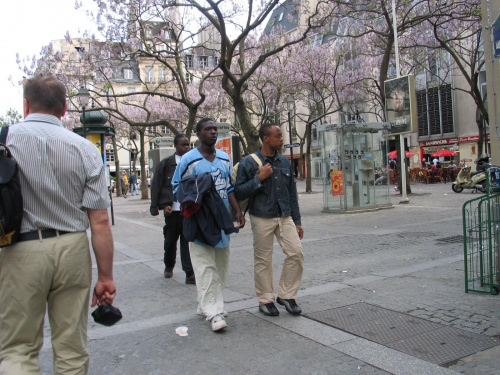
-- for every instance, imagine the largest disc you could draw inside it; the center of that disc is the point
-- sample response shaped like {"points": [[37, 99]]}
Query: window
{"points": [[127, 74], [189, 78], [149, 32], [130, 90], [148, 74], [152, 131], [188, 60], [161, 74], [435, 111], [203, 61], [164, 130], [152, 145], [110, 155], [161, 47], [316, 39]]}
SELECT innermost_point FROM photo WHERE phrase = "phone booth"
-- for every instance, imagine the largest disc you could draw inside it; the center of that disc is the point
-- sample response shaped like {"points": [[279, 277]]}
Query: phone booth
{"points": [[355, 158]]}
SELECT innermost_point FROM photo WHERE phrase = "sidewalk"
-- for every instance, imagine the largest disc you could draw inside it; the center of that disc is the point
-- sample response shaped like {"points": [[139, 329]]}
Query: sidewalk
{"points": [[386, 278]]}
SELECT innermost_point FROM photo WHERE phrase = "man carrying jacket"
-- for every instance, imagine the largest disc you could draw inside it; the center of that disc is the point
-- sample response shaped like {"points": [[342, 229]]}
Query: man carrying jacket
{"points": [[162, 198], [274, 211], [210, 261]]}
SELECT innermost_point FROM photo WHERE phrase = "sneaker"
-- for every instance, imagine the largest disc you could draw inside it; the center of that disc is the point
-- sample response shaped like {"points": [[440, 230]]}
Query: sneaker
{"points": [[268, 309], [200, 312], [191, 279], [290, 306], [168, 273], [218, 323]]}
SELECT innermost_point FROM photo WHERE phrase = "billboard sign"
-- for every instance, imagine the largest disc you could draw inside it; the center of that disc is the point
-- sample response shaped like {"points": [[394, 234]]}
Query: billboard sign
{"points": [[401, 105]]}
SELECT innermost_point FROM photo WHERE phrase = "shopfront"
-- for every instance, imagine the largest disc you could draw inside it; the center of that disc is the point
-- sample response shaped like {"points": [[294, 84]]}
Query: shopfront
{"points": [[466, 148], [354, 161]]}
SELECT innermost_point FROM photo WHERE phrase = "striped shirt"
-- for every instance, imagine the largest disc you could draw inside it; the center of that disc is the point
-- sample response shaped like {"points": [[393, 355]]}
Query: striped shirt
{"points": [[60, 173]]}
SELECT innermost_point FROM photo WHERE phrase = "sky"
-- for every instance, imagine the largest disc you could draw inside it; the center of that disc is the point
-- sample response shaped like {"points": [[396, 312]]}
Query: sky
{"points": [[25, 27]]}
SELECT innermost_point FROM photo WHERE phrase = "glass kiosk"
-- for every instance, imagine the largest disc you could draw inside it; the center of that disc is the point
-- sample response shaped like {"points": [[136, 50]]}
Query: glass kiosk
{"points": [[356, 161]]}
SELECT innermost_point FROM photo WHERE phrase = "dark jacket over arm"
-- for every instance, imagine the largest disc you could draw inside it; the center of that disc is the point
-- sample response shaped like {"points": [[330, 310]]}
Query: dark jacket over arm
{"points": [[161, 188], [205, 214]]}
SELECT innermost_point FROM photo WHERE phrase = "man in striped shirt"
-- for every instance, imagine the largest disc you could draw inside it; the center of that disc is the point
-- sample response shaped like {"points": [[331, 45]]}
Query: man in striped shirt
{"points": [[64, 192]]}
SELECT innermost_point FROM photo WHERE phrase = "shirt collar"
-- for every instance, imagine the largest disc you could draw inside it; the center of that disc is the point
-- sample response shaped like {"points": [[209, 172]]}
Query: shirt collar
{"points": [[42, 117]]}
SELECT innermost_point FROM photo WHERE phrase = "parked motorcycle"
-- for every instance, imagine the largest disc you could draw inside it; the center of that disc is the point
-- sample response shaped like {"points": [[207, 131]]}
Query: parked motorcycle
{"points": [[477, 179]]}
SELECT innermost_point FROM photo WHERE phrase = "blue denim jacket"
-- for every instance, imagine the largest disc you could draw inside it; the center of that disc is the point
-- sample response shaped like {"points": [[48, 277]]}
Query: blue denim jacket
{"points": [[279, 187]]}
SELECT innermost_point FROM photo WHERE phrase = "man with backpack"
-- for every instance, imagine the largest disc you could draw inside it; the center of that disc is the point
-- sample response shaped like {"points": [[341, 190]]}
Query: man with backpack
{"points": [[49, 268], [274, 211]]}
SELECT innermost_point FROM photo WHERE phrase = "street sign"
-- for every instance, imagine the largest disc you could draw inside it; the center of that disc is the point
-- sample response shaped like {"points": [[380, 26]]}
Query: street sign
{"points": [[164, 141], [223, 127], [292, 145]]}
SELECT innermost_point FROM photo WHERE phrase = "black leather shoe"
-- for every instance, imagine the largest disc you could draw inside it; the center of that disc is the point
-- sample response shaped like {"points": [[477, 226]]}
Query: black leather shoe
{"points": [[269, 309], [168, 273], [191, 279], [290, 306]]}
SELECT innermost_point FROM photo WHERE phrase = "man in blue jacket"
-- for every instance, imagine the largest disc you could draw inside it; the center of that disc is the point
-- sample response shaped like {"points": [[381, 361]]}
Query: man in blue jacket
{"points": [[210, 263], [274, 211]]}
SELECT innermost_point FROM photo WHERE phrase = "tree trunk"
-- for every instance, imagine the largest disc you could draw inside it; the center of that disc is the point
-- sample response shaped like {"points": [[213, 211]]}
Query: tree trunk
{"points": [[308, 158], [249, 131], [144, 182]]}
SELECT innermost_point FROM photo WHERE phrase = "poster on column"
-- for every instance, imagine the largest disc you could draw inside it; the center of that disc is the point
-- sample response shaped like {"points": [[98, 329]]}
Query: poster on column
{"points": [[337, 178], [224, 144], [400, 105]]}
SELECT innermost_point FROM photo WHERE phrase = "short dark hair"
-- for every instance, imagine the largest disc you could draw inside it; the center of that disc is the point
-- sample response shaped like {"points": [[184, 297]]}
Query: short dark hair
{"points": [[200, 123], [178, 137], [45, 94], [265, 129]]}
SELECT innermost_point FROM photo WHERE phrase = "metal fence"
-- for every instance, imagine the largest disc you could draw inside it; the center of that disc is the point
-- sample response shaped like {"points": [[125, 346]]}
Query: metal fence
{"points": [[481, 228]]}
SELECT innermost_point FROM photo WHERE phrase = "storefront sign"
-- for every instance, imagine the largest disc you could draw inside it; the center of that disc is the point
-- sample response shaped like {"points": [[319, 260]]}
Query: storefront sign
{"points": [[337, 178], [438, 142]]}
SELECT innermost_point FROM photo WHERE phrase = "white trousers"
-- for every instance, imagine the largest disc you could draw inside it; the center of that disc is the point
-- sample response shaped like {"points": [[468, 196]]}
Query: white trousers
{"points": [[210, 267]]}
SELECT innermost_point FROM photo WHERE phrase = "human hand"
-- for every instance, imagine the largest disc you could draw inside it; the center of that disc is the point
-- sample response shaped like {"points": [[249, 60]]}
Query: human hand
{"points": [[265, 171], [300, 231], [241, 219], [167, 210], [104, 292]]}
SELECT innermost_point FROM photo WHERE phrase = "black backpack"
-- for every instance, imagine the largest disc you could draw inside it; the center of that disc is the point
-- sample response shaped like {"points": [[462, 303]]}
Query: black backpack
{"points": [[11, 200]]}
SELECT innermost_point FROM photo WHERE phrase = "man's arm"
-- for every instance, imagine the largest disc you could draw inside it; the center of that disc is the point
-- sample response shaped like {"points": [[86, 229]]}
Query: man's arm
{"points": [[236, 207], [156, 188], [102, 244]]}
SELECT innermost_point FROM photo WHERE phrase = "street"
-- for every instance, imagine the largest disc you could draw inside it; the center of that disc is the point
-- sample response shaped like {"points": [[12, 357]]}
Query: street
{"points": [[402, 263]]}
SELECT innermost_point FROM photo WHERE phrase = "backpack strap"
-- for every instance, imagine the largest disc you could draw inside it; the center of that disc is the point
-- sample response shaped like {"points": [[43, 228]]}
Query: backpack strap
{"points": [[257, 159]]}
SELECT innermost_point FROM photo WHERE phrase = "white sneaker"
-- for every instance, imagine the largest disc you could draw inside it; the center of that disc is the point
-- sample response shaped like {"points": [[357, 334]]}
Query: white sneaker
{"points": [[218, 323]]}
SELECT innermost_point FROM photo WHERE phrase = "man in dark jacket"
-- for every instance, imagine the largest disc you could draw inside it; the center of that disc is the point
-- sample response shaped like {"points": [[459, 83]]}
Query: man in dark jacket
{"points": [[274, 211], [162, 198]]}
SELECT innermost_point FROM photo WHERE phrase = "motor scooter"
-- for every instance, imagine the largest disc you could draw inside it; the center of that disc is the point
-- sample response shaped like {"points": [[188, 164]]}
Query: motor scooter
{"points": [[477, 179]]}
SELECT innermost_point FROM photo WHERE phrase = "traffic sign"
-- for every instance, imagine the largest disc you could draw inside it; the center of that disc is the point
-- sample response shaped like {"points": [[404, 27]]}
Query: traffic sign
{"points": [[164, 141], [292, 145]]}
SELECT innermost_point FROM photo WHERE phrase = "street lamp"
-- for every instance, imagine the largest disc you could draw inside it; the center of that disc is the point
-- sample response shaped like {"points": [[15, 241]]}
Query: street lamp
{"points": [[83, 97]]}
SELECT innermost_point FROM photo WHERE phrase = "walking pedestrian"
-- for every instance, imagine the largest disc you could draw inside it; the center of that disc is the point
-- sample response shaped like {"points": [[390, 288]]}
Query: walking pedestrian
{"points": [[210, 262], [162, 198], [133, 184], [274, 211], [49, 269]]}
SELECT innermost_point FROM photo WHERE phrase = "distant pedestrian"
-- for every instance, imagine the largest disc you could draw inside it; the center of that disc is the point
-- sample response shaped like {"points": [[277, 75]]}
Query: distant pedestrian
{"points": [[133, 184], [210, 262], [162, 198], [124, 183], [274, 211]]}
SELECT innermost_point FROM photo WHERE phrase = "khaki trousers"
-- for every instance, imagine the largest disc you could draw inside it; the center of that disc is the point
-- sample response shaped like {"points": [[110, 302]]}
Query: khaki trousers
{"points": [[264, 230], [210, 265], [54, 275]]}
